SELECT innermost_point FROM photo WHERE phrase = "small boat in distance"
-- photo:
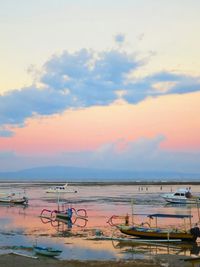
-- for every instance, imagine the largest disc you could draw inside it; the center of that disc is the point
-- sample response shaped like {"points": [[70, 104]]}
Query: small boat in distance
{"points": [[47, 251], [61, 189], [13, 198], [181, 196]]}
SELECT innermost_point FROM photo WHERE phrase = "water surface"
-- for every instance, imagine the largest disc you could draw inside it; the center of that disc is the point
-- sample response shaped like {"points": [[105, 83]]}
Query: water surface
{"points": [[22, 226]]}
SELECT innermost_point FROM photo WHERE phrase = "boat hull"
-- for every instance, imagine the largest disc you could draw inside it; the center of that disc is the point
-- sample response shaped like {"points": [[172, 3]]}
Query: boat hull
{"points": [[64, 216], [13, 201], [154, 233], [182, 201], [47, 251], [61, 191]]}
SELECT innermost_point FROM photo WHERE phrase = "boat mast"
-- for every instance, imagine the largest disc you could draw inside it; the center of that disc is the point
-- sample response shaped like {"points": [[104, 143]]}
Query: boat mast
{"points": [[198, 209], [132, 211], [58, 201]]}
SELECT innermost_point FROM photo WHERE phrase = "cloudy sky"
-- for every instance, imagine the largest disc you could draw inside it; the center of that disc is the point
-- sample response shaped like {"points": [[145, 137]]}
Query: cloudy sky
{"points": [[102, 84]]}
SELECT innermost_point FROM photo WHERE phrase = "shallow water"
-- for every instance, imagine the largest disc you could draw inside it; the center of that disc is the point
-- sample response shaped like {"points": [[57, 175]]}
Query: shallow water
{"points": [[22, 227]]}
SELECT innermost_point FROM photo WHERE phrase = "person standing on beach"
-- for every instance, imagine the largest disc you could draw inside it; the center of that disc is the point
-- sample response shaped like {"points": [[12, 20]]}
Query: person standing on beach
{"points": [[127, 219]]}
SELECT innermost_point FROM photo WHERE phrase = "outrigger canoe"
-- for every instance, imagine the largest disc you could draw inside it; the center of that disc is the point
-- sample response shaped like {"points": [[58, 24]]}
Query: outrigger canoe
{"points": [[148, 232]]}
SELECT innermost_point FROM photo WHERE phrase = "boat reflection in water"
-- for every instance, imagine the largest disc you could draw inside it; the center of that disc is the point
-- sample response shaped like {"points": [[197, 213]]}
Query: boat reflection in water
{"points": [[14, 205], [156, 248]]}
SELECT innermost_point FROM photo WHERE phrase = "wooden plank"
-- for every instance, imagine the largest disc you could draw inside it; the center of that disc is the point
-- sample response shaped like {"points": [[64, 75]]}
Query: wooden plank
{"points": [[24, 255]]}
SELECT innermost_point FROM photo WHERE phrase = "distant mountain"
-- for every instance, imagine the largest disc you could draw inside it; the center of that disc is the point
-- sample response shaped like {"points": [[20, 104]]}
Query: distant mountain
{"points": [[73, 174]]}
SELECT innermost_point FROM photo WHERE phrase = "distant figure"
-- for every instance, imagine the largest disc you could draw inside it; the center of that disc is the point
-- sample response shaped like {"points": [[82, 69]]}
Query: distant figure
{"points": [[127, 219], [188, 193], [161, 187], [69, 212]]}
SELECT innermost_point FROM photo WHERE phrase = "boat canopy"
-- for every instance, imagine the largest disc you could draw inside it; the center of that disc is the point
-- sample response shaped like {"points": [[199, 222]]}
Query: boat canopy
{"points": [[161, 215]]}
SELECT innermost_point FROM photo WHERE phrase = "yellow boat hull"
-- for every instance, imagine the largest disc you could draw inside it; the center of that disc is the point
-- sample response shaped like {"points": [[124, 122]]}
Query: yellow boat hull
{"points": [[156, 233]]}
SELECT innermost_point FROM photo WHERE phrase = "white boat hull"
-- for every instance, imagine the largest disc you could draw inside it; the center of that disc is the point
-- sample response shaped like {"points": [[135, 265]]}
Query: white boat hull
{"points": [[182, 201], [12, 200], [61, 189], [181, 196]]}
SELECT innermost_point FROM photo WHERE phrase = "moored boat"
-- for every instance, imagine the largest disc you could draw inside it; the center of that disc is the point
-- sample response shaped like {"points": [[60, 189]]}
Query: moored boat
{"points": [[145, 230], [65, 215], [47, 251], [181, 196], [61, 189], [13, 198]]}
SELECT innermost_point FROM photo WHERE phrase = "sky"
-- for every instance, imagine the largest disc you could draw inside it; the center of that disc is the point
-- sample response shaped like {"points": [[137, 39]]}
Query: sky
{"points": [[100, 84]]}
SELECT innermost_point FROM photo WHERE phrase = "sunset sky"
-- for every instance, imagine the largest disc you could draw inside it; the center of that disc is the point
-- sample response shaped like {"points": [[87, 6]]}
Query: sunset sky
{"points": [[100, 84]]}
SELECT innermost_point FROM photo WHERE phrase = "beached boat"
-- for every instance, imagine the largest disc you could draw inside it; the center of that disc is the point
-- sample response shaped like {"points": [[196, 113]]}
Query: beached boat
{"points": [[61, 189], [181, 196], [145, 230], [47, 251], [13, 198]]}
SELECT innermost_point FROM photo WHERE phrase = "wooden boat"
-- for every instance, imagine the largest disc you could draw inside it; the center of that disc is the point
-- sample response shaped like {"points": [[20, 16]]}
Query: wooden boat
{"points": [[181, 196], [144, 230], [47, 251]]}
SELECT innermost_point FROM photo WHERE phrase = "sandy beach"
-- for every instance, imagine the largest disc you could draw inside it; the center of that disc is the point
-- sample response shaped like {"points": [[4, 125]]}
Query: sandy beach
{"points": [[11, 260]]}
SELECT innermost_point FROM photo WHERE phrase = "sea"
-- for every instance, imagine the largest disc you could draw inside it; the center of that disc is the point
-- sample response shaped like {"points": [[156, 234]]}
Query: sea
{"points": [[90, 236]]}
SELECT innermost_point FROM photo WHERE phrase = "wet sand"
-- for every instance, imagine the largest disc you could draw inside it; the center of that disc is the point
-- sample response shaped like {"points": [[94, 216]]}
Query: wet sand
{"points": [[11, 260]]}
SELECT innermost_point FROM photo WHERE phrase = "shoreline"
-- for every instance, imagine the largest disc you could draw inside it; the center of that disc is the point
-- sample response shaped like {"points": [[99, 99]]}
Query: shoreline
{"points": [[11, 260], [98, 183]]}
